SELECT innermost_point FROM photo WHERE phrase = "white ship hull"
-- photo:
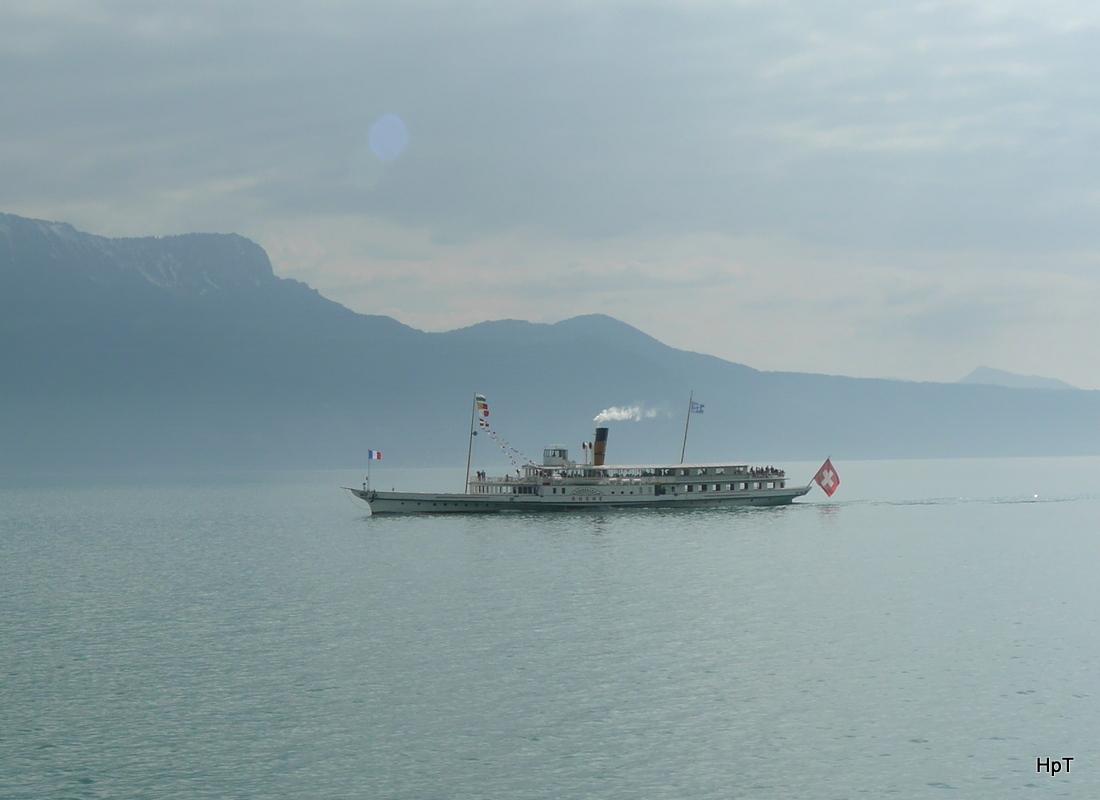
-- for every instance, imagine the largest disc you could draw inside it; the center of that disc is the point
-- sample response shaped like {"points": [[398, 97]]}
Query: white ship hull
{"points": [[592, 498]]}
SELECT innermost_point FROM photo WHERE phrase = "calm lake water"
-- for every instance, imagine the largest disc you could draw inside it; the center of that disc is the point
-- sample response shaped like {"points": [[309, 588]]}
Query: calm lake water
{"points": [[930, 632]]}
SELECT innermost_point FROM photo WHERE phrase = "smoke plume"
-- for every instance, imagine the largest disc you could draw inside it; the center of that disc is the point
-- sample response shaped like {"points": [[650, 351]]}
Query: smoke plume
{"points": [[616, 414]]}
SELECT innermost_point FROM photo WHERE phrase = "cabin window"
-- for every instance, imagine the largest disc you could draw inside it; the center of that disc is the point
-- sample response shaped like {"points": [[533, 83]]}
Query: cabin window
{"points": [[690, 487]]}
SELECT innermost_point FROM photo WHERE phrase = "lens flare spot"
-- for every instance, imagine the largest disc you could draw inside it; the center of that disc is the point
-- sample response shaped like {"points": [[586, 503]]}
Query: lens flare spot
{"points": [[388, 137]]}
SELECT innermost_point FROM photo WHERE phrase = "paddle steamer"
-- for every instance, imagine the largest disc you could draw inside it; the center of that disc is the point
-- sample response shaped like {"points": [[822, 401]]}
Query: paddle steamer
{"points": [[559, 484]]}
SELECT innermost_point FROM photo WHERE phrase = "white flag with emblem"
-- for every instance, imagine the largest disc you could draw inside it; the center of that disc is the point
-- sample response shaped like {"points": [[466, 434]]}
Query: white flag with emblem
{"points": [[827, 478]]}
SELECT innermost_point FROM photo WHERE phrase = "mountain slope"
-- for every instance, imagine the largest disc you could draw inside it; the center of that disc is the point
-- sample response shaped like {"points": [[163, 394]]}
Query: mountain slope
{"points": [[999, 377], [188, 352]]}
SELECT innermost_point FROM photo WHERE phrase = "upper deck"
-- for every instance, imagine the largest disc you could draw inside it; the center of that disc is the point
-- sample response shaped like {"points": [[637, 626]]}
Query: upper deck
{"points": [[670, 477], [650, 471], [558, 471]]}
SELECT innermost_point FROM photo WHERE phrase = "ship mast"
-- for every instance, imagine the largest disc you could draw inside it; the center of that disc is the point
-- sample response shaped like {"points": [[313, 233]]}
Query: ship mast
{"points": [[470, 449], [691, 398]]}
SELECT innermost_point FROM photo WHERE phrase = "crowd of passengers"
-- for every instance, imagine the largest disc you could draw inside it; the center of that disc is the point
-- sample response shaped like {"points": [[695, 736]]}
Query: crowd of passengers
{"points": [[766, 472]]}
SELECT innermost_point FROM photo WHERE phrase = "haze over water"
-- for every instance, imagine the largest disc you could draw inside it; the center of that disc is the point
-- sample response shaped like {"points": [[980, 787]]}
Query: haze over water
{"points": [[930, 632]]}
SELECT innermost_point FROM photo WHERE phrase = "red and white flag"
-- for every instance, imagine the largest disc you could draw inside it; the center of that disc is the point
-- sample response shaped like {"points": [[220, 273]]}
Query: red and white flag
{"points": [[827, 478]]}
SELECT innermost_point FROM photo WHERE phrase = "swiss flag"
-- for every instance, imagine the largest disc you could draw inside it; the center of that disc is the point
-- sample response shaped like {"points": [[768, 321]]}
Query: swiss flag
{"points": [[827, 478]]}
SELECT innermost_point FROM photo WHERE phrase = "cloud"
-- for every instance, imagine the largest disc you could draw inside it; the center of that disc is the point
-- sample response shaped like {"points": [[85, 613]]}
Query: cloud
{"points": [[576, 120]]}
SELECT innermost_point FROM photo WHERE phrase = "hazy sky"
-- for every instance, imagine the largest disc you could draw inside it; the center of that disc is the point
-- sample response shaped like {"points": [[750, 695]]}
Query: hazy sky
{"points": [[904, 189]]}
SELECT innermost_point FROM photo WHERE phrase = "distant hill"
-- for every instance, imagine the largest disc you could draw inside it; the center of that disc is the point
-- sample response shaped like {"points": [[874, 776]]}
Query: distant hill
{"points": [[187, 352], [998, 377]]}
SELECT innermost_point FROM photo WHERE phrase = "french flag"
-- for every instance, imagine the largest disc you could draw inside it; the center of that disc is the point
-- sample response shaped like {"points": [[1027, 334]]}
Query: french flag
{"points": [[374, 455]]}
